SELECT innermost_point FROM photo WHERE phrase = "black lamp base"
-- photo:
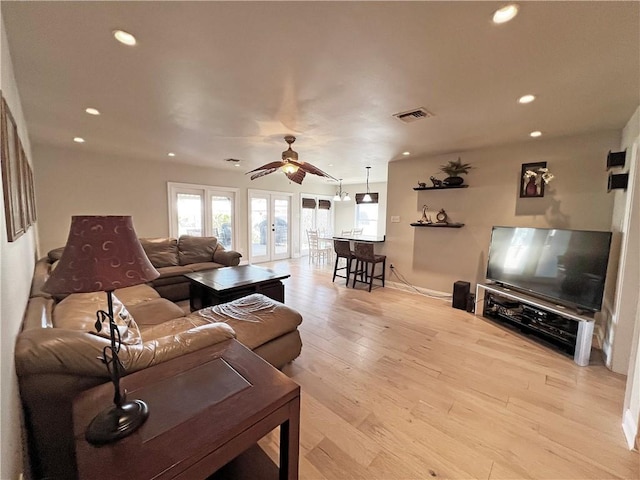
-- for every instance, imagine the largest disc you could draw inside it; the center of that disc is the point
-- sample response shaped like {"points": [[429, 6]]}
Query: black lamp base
{"points": [[116, 422]]}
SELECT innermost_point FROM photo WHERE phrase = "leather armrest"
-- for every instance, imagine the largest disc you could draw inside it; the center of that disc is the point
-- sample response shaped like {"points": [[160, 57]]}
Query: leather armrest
{"points": [[73, 352], [230, 258]]}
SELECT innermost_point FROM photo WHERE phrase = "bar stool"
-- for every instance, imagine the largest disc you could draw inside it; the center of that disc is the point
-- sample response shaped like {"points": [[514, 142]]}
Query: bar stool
{"points": [[365, 257], [343, 250]]}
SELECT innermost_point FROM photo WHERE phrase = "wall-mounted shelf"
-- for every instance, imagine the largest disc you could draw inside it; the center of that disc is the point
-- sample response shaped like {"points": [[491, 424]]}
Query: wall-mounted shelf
{"points": [[444, 187], [438, 225]]}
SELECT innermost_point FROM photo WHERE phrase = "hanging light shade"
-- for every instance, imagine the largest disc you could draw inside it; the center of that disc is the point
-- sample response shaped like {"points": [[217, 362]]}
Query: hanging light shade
{"points": [[367, 196], [340, 195]]}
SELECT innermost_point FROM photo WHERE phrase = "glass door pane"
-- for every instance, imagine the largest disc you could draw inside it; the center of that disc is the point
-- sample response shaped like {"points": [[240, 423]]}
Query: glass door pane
{"points": [[222, 220], [306, 223], [189, 207], [259, 229], [280, 227], [323, 221]]}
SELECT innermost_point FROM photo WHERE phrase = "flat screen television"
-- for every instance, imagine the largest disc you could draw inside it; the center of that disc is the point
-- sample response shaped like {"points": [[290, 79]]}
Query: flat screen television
{"points": [[568, 267]]}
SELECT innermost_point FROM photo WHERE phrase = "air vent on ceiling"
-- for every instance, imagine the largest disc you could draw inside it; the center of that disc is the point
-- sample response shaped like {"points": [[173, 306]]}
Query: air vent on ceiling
{"points": [[232, 160], [413, 115]]}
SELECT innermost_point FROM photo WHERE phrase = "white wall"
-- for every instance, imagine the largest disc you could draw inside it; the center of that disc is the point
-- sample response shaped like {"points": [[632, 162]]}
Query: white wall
{"points": [[435, 258], [16, 269], [76, 181]]}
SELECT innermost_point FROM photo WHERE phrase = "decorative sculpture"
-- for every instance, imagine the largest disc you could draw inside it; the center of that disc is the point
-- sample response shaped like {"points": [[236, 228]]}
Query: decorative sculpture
{"points": [[425, 218], [436, 182]]}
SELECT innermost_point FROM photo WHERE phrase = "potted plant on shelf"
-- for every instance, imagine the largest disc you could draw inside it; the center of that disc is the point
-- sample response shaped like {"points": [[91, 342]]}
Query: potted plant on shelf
{"points": [[454, 169]]}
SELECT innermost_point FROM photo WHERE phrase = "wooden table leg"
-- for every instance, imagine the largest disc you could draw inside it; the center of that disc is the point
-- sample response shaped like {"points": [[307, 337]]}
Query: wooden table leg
{"points": [[290, 443]]}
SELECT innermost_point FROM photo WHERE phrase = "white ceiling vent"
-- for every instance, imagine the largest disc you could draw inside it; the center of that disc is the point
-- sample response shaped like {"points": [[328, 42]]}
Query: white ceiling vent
{"points": [[413, 115]]}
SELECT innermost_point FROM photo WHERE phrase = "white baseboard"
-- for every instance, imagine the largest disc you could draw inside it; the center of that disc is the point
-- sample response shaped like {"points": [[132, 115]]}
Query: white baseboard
{"points": [[630, 428], [419, 290]]}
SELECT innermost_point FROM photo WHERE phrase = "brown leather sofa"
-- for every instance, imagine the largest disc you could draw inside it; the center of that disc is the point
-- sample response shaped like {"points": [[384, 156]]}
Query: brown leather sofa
{"points": [[57, 351], [174, 257]]}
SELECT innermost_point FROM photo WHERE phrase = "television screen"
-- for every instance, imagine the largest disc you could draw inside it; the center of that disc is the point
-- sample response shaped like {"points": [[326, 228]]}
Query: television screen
{"points": [[565, 266]]}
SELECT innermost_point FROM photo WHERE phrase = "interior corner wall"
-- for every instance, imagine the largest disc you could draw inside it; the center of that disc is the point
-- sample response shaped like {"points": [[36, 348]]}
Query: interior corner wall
{"points": [[75, 180], [620, 310], [435, 258], [623, 333], [17, 260]]}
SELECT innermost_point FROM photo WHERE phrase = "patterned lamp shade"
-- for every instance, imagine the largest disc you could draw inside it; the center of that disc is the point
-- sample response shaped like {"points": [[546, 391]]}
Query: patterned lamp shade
{"points": [[102, 254]]}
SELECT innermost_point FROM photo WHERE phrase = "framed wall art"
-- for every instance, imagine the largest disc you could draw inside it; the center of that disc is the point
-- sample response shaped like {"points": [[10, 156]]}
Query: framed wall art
{"points": [[531, 182], [12, 173]]}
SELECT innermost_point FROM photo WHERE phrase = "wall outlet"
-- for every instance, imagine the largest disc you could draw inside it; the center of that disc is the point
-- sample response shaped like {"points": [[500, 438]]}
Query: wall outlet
{"points": [[395, 218]]}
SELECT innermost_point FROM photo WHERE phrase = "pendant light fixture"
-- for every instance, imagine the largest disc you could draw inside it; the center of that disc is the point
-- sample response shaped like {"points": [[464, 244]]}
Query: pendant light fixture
{"points": [[340, 195], [367, 196]]}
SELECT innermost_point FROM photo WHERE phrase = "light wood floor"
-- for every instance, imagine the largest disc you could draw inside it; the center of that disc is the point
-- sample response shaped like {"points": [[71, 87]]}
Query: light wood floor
{"points": [[399, 386]]}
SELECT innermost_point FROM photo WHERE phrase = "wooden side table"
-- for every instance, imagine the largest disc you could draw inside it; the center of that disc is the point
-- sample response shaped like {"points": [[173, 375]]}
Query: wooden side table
{"points": [[206, 408]]}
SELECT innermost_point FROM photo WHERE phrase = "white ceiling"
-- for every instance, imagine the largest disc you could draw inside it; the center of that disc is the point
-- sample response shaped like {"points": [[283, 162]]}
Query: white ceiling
{"points": [[214, 80]]}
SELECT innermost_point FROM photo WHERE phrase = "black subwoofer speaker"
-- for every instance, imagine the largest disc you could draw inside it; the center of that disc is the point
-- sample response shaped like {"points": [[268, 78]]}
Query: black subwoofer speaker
{"points": [[460, 293]]}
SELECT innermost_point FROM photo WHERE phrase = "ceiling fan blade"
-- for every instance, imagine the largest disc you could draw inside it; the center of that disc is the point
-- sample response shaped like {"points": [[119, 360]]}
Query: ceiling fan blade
{"points": [[268, 166], [296, 176], [262, 173], [307, 167]]}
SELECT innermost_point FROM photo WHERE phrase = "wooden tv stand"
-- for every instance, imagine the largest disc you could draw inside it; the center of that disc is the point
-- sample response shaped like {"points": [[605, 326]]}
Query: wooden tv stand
{"points": [[491, 303]]}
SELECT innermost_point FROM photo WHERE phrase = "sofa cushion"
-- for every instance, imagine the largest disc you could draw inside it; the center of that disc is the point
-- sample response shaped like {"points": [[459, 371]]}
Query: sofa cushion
{"points": [[162, 252], [175, 271], [198, 267], [229, 258], [131, 296], [78, 312], [256, 319], [155, 311], [196, 249], [171, 327]]}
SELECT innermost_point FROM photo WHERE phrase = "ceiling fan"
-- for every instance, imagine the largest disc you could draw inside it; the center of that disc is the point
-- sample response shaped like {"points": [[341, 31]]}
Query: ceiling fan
{"points": [[292, 168]]}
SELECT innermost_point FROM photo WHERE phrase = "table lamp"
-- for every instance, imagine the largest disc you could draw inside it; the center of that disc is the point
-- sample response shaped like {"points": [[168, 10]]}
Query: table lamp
{"points": [[103, 253]]}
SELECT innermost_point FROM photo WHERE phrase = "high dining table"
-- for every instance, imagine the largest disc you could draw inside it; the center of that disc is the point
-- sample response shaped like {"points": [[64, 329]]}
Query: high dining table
{"points": [[360, 238]]}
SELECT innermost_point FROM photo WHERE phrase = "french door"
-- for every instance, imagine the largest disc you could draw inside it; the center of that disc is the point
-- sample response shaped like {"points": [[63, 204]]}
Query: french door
{"points": [[202, 210], [269, 226]]}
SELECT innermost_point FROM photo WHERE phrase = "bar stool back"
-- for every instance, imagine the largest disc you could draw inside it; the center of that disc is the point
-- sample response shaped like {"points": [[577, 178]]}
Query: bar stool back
{"points": [[343, 250], [364, 257]]}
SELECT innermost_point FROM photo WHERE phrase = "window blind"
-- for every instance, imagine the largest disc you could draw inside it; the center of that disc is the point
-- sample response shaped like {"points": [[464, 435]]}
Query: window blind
{"points": [[308, 203], [360, 196]]}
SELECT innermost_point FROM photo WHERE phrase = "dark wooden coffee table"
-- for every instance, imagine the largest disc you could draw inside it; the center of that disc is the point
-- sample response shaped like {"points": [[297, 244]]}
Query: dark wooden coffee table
{"points": [[220, 285], [206, 409]]}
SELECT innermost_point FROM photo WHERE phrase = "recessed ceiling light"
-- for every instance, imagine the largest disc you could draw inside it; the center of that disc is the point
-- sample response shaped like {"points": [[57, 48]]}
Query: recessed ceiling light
{"points": [[506, 13], [527, 98], [331, 164], [171, 154], [236, 164], [537, 133], [124, 37], [78, 139], [92, 111], [406, 153]]}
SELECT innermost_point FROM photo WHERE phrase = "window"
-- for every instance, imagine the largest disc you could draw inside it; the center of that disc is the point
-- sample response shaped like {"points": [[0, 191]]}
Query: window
{"points": [[202, 210], [316, 214], [367, 214], [367, 218]]}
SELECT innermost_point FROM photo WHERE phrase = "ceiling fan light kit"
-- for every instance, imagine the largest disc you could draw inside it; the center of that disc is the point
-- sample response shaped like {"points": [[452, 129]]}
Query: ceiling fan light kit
{"points": [[290, 166]]}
